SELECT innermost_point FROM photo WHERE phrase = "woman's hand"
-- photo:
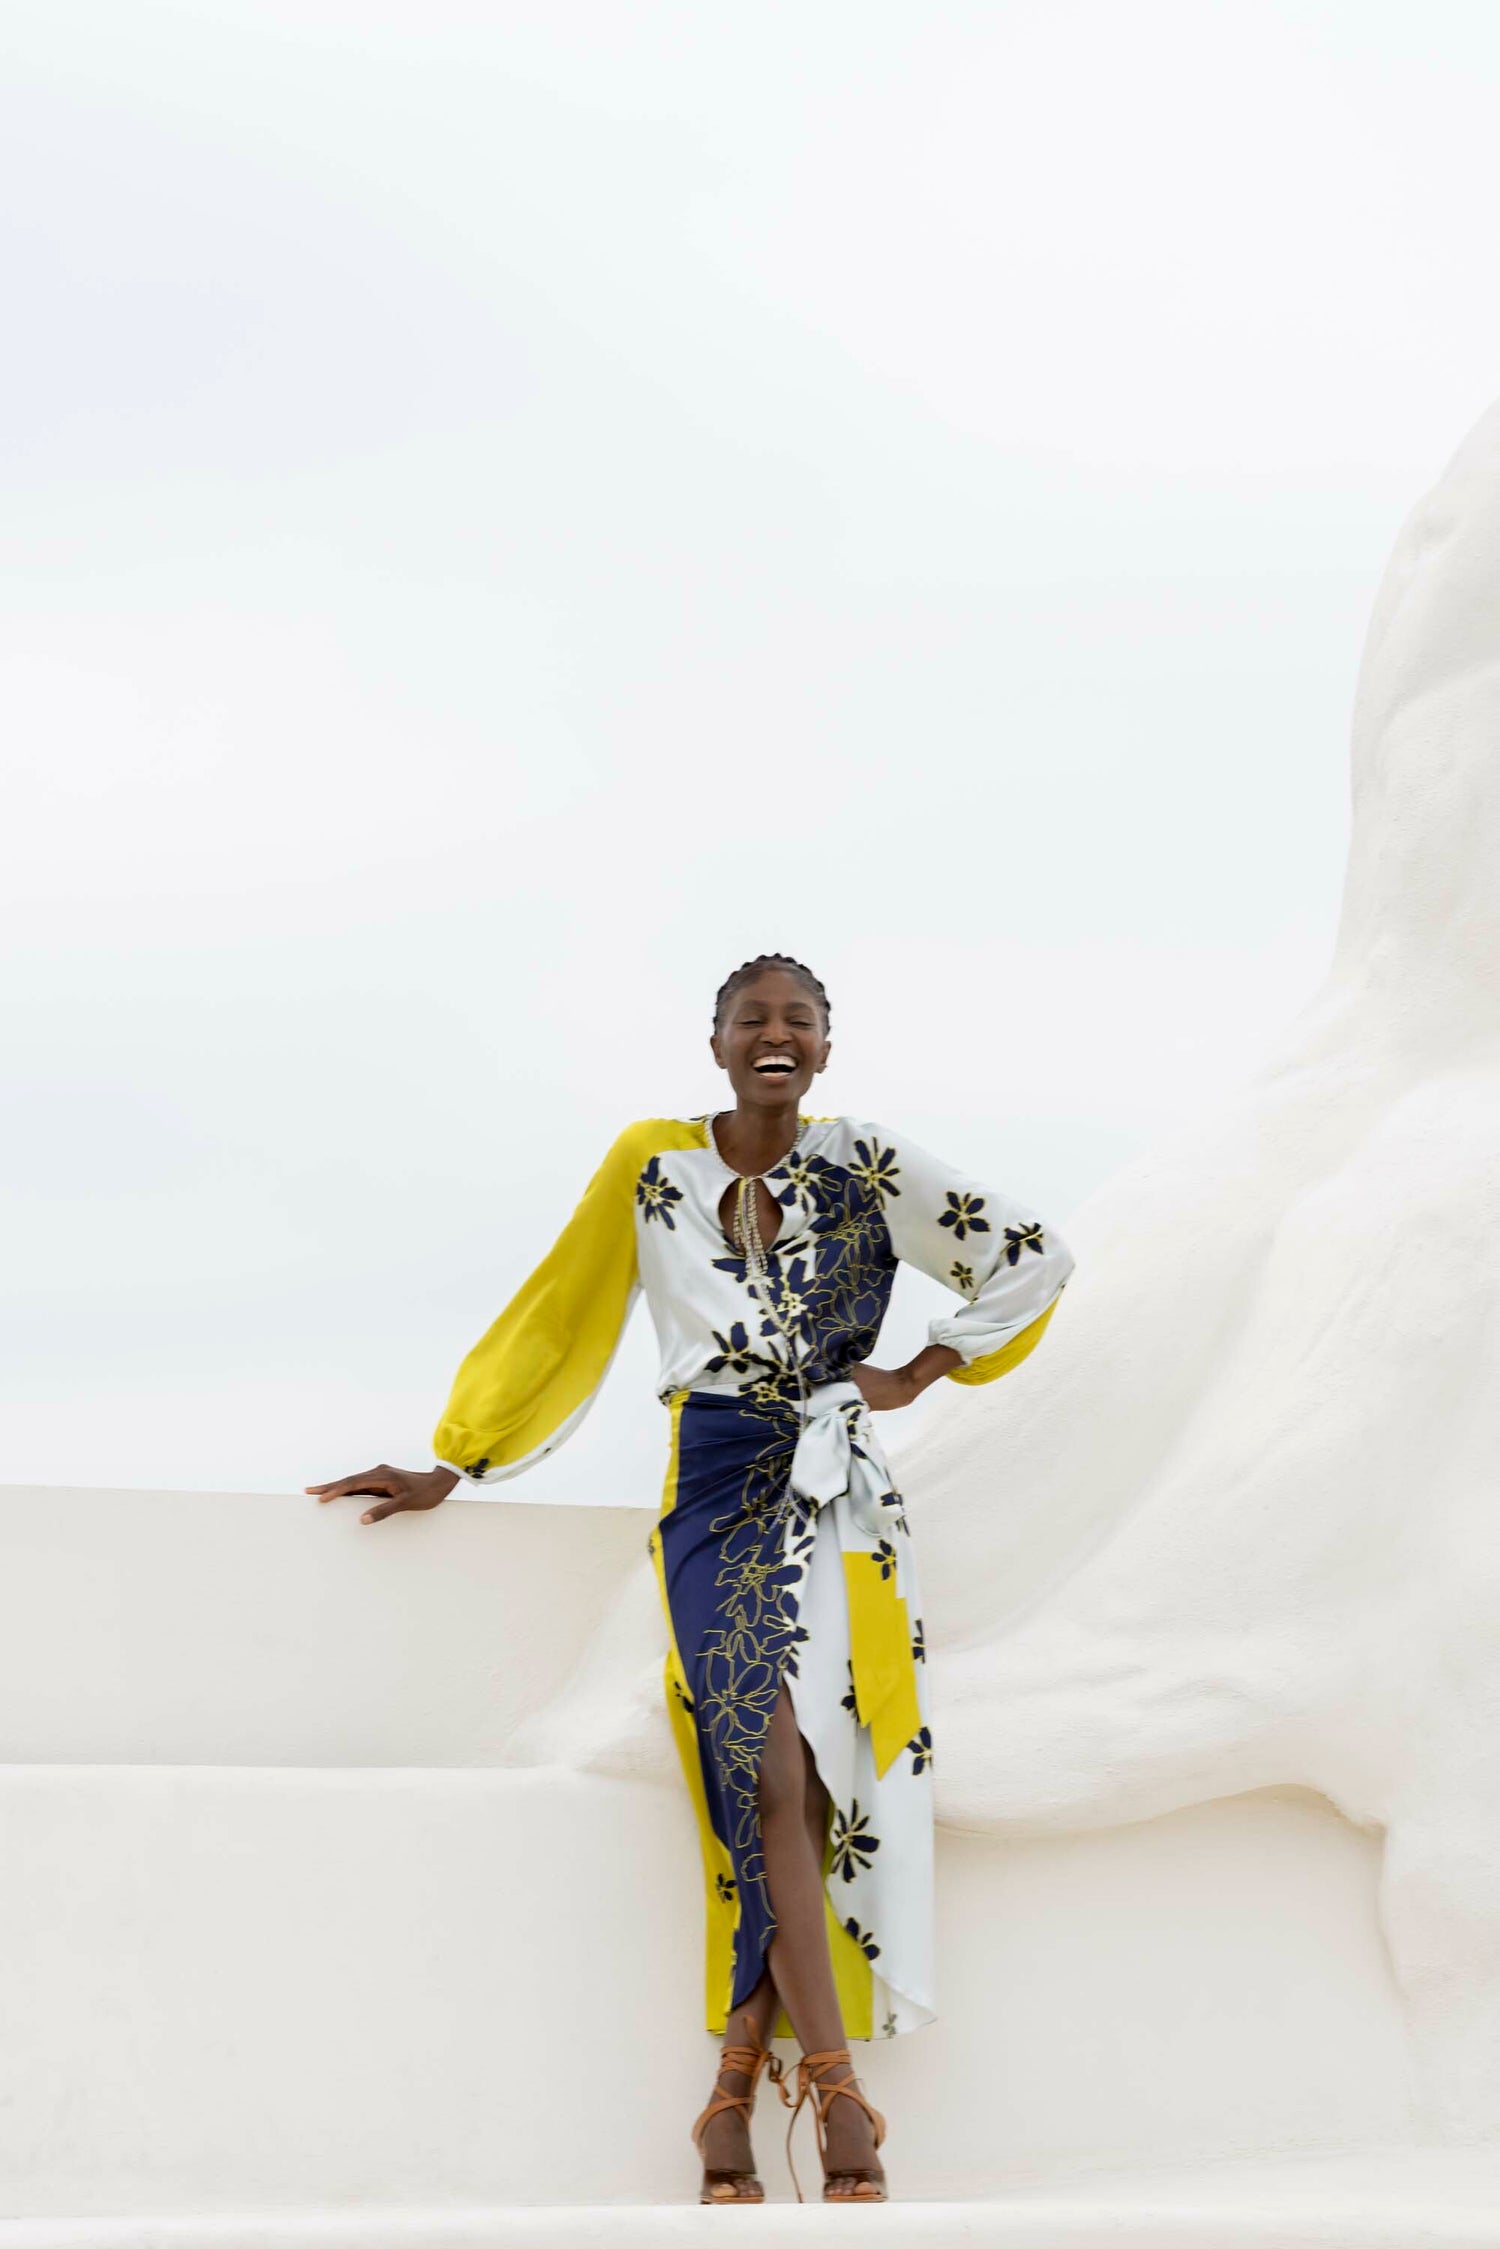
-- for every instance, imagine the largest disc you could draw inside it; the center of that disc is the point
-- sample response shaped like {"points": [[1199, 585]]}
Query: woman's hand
{"points": [[885, 1387], [403, 1488]]}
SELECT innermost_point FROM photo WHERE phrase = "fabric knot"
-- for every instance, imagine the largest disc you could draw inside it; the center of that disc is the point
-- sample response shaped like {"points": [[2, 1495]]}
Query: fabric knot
{"points": [[826, 1463]]}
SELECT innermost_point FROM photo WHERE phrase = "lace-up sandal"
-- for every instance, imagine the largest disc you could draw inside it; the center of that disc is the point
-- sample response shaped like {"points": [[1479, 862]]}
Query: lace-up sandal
{"points": [[749, 2061], [867, 2183]]}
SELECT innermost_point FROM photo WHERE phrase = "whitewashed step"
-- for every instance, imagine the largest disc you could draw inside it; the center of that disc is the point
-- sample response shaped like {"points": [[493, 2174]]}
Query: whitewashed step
{"points": [[380, 1990], [1407, 2199]]}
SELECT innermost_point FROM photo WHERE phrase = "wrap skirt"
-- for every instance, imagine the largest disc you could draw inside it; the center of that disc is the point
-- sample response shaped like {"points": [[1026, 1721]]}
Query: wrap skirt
{"points": [[782, 1552]]}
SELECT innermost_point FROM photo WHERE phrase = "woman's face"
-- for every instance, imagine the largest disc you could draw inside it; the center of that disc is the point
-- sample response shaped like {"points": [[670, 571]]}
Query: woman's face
{"points": [[771, 1040]]}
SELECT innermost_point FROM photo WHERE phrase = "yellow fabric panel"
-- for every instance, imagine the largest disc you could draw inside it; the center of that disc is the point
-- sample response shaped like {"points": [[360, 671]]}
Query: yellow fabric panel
{"points": [[1009, 1355], [546, 1354], [721, 1905], [885, 1678]]}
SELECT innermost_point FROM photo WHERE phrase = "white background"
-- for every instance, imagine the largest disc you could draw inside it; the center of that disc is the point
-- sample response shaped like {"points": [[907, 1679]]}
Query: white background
{"points": [[510, 510]]}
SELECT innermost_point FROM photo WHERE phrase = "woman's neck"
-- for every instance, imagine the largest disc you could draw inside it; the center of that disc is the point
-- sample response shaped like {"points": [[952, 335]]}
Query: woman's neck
{"points": [[754, 1140]]}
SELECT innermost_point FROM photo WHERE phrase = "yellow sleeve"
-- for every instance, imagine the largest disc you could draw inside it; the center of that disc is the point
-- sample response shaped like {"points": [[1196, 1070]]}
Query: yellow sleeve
{"points": [[534, 1373]]}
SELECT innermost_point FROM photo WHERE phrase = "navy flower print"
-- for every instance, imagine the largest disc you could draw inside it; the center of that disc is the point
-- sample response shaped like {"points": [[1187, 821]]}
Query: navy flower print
{"points": [[853, 1844], [876, 1169], [1018, 1238], [656, 1195], [963, 1216]]}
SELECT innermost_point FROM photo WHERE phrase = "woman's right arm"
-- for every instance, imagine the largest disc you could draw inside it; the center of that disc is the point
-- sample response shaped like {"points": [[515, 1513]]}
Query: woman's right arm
{"points": [[532, 1376]]}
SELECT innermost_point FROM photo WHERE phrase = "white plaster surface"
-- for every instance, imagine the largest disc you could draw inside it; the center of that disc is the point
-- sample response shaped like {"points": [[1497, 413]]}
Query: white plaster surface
{"points": [[1422, 2200], [1235, 1524], [238, 1988], [234, 1628]]}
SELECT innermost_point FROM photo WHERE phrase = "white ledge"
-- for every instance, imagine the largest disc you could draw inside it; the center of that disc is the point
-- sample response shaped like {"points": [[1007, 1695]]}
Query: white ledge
{"points": [[1415, 2198]]}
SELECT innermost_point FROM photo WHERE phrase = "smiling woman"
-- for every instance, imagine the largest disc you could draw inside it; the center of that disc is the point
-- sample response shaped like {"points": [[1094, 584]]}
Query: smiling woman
{"points": [[766, 1242]]}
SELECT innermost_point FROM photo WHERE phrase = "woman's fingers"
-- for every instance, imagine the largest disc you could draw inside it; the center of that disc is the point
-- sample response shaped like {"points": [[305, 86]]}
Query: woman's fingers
{"points": [[381, 1481], [395, 1488], [386, 1507]]}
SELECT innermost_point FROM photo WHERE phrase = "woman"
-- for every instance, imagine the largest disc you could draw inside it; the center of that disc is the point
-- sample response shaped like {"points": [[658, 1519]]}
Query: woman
{"points": [[766, 1242]]}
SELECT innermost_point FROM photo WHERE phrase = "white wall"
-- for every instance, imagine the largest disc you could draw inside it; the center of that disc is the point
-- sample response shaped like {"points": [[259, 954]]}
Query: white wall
{"points": [[265, 1947]]}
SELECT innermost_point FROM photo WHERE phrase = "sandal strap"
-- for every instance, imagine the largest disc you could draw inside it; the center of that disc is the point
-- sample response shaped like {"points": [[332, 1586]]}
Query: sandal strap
{"points": [[747, 2061], [811, 2070]]}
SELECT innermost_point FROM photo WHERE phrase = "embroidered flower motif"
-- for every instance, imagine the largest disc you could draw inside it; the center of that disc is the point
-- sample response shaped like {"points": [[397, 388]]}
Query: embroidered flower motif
{"points": [[735, 1708], [1018, 1238], [479, 1467], [920, 1746], [657, 1195], [734, 1352], [884, 1557], [803, 1175], [919, 1643], [863, 1939], [777, 1387], [888, 2027], [962, 1276], [683, 1697], [963, 1216], [853, 1845], [849, 1701], [724, 1884], [790, 1286], [877, 1169]]}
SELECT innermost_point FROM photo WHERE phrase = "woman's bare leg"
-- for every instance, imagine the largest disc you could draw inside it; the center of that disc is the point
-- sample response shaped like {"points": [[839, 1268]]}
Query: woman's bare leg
{"points": [[794, 1832], [793, 1813], [726, 2141]]}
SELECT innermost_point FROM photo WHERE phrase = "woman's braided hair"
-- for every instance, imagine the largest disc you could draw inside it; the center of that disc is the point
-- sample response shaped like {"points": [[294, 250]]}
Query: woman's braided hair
{"points": [[747, 972]]}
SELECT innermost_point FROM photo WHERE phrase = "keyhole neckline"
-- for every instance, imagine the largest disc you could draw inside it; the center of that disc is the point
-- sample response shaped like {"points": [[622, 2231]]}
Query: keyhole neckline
{"points": [[714, 1151]]}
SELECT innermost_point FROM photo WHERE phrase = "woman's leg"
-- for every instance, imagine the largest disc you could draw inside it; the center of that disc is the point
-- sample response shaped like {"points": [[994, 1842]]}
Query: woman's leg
{"points": [[793, 1814], [726, 2141], [794, 1835]]}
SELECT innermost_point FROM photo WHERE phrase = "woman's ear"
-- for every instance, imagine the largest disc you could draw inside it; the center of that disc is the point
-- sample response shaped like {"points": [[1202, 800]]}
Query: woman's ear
{"points": [[713, 1048]]}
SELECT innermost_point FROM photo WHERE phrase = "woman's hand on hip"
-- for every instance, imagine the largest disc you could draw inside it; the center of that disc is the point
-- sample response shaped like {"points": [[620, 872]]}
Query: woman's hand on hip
{"points": [[401, 1489], [884, 1387]]}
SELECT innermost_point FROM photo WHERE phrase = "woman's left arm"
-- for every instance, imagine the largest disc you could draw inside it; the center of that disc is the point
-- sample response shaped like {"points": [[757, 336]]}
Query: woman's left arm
{"points": [[992, 1250]]}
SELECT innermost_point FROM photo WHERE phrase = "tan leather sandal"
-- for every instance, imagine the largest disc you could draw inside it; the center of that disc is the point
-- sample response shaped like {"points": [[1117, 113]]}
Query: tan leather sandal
{"points": [[736, 2186], [811, 2069]]}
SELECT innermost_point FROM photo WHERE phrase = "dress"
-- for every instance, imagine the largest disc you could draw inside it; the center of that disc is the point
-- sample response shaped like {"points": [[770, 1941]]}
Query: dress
{"points": [[782, 1548]]}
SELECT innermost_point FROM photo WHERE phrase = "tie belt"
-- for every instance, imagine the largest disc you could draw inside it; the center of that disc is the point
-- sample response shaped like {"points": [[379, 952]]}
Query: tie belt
{"points": [[837, 1462]]}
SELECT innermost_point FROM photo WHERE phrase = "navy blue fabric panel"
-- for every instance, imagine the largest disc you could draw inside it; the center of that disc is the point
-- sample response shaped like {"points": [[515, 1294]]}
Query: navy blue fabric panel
{"points": [[832, 1274], [732, 1584]]}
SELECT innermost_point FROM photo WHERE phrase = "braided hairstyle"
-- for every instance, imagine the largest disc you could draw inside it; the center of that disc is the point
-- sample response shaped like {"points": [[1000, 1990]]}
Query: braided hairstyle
{"points": [[747, 972]]}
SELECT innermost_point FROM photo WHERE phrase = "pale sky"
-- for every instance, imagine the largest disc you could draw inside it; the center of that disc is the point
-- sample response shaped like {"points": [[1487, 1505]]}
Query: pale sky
{"points": [[509, 510]]}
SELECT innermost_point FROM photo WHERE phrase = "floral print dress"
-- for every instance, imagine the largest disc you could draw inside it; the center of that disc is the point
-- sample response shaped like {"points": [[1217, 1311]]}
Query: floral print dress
{"points": [[782, 1549]]}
